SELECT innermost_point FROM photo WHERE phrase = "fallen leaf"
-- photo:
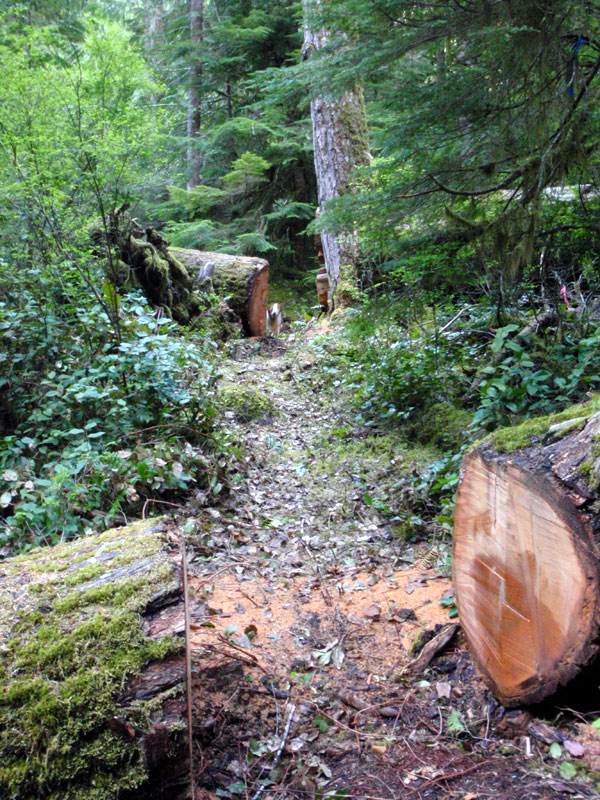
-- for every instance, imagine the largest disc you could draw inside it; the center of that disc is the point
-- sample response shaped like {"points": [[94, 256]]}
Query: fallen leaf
{"points": [[372, 612], [443, 689], [575, 749]]}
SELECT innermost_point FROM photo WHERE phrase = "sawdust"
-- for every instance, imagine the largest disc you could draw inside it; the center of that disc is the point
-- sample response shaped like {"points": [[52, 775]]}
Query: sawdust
{"points": [[389, 614]]}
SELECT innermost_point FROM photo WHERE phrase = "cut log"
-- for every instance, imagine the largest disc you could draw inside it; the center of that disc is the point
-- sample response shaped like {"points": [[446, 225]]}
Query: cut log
{"points": [[93, 701], [169, 277], [242, 280], [526, 554]]}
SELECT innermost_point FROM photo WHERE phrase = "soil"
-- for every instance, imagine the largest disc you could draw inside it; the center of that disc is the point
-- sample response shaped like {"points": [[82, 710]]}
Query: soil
{"points": [[310, 613]]}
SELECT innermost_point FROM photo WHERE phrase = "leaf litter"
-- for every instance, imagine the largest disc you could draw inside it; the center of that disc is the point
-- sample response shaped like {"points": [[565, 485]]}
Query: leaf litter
{"points": [[325, 660]]}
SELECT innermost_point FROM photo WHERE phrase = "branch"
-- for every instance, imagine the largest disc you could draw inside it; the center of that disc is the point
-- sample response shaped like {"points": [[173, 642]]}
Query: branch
{"points": [[461, 193]]}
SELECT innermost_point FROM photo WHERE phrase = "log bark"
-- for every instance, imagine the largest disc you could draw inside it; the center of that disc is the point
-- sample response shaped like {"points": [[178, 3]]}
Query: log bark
{"points": [[244, 281], [93, 703], [526, 564], [169, 278]]}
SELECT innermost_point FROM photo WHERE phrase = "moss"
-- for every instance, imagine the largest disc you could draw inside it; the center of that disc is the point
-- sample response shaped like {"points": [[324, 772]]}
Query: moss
{"points": [[506, 440], [68, 659], [443, 425], [84, 574], [346, 291], [247, 403]]}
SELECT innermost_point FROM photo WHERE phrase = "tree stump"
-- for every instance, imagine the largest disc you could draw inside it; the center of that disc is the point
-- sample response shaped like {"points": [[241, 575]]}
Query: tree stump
{"points": [[93, 703], [526, 554], [244, 281]]}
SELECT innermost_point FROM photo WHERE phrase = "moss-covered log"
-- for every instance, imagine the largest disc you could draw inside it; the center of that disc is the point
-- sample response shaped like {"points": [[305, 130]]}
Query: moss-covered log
{"points": [[244, 281], [164, 279], [92, 705], [169, 278], [526, 563]]}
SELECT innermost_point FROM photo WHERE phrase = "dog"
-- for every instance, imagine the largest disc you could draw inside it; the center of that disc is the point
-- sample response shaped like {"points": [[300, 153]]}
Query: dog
{"points": [[274, 320]]}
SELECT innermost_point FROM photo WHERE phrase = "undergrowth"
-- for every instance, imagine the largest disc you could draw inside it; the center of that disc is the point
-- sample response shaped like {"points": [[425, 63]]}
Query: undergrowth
{"points": [[443, 377], [98, 425]]}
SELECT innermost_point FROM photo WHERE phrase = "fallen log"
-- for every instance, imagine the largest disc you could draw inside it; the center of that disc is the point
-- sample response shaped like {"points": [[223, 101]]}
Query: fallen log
{"points": [[526, 553], [242, 280], [178, 280], [93, 703]]}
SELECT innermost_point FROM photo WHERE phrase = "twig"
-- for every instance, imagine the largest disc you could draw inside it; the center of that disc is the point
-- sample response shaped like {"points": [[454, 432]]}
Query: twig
{"points": [[188, 665], [162, 503], [244, 652], [341, 724], [452, 776], [214, 574], [286, 733], [453, 320]]}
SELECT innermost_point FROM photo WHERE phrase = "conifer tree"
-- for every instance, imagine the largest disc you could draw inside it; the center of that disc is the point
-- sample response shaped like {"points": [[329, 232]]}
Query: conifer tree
{"points": [[339, 128]]}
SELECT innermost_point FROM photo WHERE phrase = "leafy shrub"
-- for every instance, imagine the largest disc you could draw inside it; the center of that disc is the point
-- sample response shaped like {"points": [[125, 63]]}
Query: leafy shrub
{"points": [[528, 380], [100, 424]]}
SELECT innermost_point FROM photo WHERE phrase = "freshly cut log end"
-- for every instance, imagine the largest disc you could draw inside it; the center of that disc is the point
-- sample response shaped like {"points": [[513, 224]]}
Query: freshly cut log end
{"points": [[242, 279], [525, 568]]}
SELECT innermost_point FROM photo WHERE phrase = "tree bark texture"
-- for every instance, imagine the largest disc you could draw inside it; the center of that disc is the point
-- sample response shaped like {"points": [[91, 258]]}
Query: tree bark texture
{"points": [[169, 278], [93, 703], [340, 145], [526, 564], [242, 280], [194, 93]]}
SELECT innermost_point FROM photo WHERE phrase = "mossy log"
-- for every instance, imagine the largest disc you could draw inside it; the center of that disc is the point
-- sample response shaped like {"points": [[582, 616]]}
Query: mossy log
{"points": [[164, 279], [169, 278], [526, 564], [93, 703], [244, 281]]}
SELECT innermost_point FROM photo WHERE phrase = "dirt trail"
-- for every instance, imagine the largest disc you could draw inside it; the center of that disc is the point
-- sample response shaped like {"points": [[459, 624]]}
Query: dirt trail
{"points": [[308, 611]]}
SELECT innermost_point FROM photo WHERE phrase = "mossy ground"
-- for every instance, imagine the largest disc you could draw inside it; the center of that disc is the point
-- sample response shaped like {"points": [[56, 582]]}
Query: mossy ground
{"points": [[71, 636], [246, 402]]}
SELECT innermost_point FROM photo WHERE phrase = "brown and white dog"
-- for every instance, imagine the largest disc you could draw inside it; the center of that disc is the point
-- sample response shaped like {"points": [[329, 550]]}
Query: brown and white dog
{"points": [[274, 320]]}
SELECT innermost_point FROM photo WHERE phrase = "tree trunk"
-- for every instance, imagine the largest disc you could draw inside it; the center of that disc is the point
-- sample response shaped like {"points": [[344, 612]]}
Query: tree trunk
{"points": [[93, 704], [194, 93], [526, 554], [242, 280], [340, 145]]}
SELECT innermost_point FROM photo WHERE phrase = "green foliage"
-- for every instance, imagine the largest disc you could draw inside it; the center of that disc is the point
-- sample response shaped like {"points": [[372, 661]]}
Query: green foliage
{"points": [[535, 377], [247, 173], [406, 365], [98, 426], [254, 152], [76, 131], [245, 402]]}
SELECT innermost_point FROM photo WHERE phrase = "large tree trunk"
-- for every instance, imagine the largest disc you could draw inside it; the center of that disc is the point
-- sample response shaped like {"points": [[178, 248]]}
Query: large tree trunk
{"points": [[340, 145], [526, 554], [169, 279], [93, 702], [194, 93]]}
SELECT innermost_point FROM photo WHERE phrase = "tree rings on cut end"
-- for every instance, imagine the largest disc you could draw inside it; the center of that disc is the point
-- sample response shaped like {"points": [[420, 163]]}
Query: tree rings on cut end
{"points": [[525, 578]]}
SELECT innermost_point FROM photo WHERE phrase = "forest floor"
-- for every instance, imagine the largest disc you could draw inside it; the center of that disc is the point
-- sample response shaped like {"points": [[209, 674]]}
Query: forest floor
{"points": [[310, 616]]}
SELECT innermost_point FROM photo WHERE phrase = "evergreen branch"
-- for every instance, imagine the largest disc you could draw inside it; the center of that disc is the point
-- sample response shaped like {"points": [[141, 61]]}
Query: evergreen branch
{"points": [[505, 184]]}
